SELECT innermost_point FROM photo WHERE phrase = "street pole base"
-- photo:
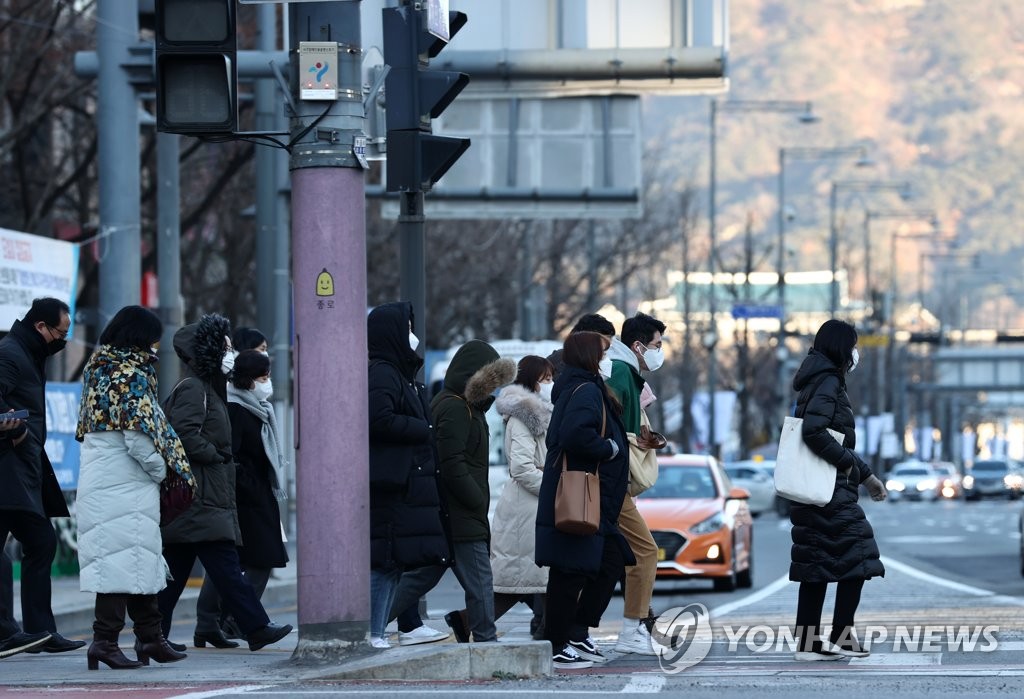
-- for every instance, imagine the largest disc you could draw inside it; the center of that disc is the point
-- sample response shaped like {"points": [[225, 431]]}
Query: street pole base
{"points": [[325, 643]]}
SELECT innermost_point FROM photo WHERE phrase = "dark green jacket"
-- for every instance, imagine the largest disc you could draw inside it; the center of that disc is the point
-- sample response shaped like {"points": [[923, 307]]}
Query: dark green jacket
{"points": [[474, 374], [626, 384]]}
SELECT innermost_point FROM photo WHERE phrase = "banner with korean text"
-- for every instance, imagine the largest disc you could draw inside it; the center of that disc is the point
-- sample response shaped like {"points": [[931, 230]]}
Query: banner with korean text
{"points": [[32, 266]]}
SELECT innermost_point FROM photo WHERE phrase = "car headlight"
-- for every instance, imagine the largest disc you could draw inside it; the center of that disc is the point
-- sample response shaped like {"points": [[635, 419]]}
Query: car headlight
{"points": [[968, 481], [895, 485], [1013, 480], [927, 484], [711, 524]]}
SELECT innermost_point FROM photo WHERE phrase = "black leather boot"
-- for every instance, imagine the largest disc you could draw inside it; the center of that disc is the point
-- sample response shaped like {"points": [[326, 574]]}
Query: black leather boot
{"points": [[109, 653], [158, 650], [217, 639]]}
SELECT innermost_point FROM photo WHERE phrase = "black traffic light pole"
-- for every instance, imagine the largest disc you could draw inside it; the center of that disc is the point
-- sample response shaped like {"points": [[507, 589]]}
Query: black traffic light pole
{"points": [[416, 157]]}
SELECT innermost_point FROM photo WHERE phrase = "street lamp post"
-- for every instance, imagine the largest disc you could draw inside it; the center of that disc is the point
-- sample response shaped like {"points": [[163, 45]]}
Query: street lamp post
{"points": [[798, 153], [903, 188], [806, 115]]}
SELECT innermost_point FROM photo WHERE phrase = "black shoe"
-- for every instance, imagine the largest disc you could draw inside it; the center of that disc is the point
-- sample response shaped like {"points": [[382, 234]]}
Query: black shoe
{"points": [[214, 638], [22, 642], [158, 649], [271, 633], [454, 620], [180, 647], [57, 644], [110, 654]]}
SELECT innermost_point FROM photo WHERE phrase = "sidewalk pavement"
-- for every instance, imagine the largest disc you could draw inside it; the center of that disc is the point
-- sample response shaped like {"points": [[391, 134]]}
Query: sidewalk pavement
{"points": [[515, 655]]}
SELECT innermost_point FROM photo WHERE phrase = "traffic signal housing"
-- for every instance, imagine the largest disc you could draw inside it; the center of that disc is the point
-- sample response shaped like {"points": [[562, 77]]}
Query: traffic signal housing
{"points": [[414, 95], [196, 67]]}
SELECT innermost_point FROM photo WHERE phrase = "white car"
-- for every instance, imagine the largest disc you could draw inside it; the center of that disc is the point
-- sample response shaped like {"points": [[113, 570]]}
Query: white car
{"points": [[913, 480], [755, 478]]}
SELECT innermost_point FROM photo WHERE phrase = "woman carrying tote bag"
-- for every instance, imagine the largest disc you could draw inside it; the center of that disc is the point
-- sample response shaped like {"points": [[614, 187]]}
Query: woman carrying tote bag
{"points": [[583, 568], [833, 542]]}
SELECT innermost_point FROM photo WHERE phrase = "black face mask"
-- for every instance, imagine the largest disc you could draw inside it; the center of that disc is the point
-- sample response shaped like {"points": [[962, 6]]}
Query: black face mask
{"points": [[55, 346]]}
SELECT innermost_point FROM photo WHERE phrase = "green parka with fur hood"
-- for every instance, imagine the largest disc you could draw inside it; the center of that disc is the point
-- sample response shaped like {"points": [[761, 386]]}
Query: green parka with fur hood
{"points": [[474, 374]]}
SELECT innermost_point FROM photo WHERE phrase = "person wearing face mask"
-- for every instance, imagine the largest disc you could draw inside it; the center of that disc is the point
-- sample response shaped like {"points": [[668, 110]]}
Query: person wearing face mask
{"points": [[525, 406], [639, 350], [258, 450], [833, 543], [586, 432], [197, 409], [29, 491], [406, 527]]}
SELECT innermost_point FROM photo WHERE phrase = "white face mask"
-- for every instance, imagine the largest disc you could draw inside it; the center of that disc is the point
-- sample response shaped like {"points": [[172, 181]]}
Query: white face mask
{"points": [[604, 368], [854, 361], [227, 363], [263, 390], [414, 341], [653, 358], [545, 391]]}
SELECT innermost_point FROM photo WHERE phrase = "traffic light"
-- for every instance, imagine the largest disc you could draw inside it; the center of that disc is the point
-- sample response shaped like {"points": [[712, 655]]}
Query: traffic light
{"points": [[196, 67], [414, 95]]}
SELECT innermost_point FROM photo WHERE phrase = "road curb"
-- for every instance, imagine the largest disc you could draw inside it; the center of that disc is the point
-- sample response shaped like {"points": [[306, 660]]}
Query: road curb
{"points": [[450, 661]]}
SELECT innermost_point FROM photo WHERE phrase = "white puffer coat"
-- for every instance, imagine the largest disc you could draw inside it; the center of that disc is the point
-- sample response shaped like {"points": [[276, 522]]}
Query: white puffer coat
{"points": [[118, 508], [515, 516]]}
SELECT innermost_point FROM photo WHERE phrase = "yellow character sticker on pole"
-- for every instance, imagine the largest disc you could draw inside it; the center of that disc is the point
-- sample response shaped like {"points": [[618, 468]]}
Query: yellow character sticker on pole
{"points": [[324, 284]]}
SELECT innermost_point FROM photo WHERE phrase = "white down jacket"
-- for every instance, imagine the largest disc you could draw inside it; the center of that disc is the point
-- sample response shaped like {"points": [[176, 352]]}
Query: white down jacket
{"points": [[513, 532], [118, 508]]}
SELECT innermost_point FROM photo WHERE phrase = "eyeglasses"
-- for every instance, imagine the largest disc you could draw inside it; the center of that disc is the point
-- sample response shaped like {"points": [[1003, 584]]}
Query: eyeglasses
{"points": [[61, 334]]}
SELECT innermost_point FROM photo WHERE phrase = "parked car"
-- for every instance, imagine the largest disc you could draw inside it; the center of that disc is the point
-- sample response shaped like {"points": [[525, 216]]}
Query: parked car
{"points": [[701, 523], [950, 484], [1000, 477], [913, 480], [756, 479]]}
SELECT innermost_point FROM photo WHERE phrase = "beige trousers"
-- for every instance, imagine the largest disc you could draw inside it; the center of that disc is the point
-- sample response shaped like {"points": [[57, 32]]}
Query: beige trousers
{"points": [[639, 578]]}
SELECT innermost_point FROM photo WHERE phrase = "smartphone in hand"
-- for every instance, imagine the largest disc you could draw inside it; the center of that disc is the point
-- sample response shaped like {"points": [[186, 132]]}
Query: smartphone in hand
{"points": [[14, 415]]}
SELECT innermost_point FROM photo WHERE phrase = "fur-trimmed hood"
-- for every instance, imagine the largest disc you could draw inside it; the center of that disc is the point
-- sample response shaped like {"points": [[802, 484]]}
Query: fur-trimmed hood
{"points": [[476, 371], [526, 406], [201, 345], [488, 379]]}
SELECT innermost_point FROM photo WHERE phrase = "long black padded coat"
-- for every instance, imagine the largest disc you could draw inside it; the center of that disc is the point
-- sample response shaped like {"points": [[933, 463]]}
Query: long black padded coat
{"points": [[406, 518], [833, 542]]}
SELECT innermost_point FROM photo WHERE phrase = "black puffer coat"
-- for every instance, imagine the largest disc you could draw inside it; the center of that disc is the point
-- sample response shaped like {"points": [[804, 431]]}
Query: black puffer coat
{"points": [[406, 524], [834, 542], [575, 431], [198, 412]]}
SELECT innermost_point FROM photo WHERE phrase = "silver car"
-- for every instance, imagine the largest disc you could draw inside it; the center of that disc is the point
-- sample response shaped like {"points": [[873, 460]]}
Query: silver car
{"points": [[1000, 477], [913, 480], [755, 478]]}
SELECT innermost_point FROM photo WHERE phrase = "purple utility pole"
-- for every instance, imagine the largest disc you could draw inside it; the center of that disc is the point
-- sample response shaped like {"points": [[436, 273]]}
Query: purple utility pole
{"points": [[329, 292]]}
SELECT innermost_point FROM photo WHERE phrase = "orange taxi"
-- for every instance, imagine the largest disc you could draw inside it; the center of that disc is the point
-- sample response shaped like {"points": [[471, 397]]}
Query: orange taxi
{"points": [[700, 522]]}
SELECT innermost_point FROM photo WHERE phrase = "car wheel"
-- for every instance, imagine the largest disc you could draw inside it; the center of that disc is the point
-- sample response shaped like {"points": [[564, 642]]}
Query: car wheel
{"points": [[728, 583], [745, 578]]}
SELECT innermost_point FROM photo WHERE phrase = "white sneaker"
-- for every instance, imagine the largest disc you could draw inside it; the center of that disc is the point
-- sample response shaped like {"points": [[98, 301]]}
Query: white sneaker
{"points": [[380, 643], [636, 641], [421, 634]]}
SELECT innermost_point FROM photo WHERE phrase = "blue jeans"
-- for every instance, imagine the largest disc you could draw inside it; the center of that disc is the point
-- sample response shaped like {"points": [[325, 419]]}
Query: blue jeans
{"points": [[383, 586]]}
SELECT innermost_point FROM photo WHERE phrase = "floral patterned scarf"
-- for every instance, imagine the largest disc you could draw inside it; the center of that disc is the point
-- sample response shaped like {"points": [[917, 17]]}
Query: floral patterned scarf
{"points": [[119, 393]]}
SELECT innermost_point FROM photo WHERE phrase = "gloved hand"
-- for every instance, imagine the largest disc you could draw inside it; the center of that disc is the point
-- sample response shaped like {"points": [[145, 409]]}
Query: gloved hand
{"points": [[650, 440], [615, 449], [876, 489]]}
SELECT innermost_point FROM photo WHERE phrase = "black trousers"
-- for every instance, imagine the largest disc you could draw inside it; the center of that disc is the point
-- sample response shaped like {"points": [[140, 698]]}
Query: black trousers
{"points": [[811, 600], [209, 612], [220, 559], [38, 545], [110, 611], [8, 624], [576, 601]]}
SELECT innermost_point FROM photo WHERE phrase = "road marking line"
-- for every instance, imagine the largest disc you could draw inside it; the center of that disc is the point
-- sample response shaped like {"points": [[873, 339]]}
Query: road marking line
{"points": [[646, 683], [894, 659], [934, 579], [766, 591], [240, 689]]}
